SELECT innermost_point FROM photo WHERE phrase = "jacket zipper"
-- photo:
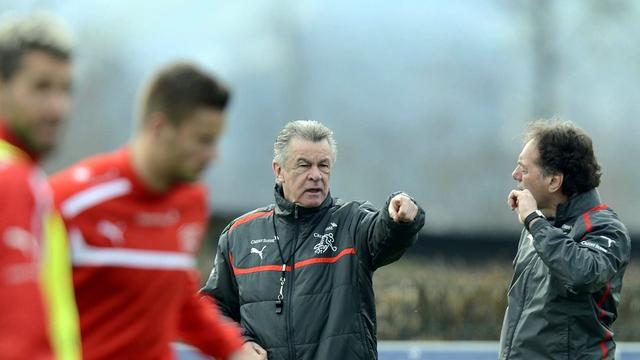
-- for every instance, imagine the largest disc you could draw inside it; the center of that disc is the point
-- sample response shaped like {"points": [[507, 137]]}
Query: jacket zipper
{"points": [[515, 326], [292, 348]]}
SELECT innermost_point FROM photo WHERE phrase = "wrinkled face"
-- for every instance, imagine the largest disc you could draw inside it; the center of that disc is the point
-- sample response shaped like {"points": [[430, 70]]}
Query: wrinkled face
{"points": [[36, 100], [529, 175], [305, 174], [189, 147]]}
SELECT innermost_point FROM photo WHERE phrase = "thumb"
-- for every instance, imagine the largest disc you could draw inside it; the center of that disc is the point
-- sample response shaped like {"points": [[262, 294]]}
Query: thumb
{"points": [[394, 206], [259, 349]]}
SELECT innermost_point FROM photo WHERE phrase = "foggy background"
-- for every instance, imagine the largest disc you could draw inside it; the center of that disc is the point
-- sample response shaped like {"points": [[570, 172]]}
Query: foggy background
{"points": [[430, 97]]}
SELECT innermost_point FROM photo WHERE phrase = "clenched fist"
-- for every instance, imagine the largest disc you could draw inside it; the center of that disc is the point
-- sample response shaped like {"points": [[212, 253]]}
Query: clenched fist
{"points": [[523, 202], [250, 351], [402, 209]]}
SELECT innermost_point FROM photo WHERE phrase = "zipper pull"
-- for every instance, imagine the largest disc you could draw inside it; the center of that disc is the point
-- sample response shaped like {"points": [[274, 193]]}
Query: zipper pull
{"points": [[295, 211], [279, 301]]}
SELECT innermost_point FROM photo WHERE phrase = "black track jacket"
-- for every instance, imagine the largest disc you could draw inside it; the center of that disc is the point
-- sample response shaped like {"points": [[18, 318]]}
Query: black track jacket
{"points": [[566, 284], [330, 253]]}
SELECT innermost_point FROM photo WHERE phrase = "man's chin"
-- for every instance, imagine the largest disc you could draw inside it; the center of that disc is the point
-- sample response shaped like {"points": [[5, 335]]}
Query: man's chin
{"points": [[311, 200], [43, 149], [37, 145]]}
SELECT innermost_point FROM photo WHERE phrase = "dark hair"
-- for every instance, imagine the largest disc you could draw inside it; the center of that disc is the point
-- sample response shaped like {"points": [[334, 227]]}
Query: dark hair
{"points": [[22, 35], [181, 88], [565, 148]]}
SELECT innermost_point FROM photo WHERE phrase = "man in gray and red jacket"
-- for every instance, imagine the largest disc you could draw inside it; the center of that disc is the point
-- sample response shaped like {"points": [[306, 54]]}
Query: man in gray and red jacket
{"points": [[297, 275], [572, 254]]}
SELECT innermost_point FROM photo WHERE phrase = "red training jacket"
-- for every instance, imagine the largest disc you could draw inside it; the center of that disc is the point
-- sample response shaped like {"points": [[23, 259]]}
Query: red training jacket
{"points": [[24, 199], [133, 254]]}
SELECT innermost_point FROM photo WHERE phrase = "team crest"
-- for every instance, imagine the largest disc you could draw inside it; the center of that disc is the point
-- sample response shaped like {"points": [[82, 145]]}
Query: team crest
{"points": [[326, 242]]}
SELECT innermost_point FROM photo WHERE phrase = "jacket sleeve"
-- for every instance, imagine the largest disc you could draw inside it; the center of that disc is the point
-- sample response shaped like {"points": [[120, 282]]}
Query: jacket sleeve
{"points": [[22, 329], [202, 325], [222, 286], [382, 239], [586, 265]]}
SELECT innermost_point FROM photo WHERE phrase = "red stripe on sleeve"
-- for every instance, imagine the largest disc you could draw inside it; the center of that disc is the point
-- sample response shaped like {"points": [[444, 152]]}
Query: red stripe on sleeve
{"points": [[587, 222], [250, 217], [585, 216], [603, 344], [604, 297]]}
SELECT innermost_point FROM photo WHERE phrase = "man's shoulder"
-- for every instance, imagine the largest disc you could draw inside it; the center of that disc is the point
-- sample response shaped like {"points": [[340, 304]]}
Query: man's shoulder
{"points": [[262, 212], [16, 181], [15, 173], [87, 172], [353, 205], [98, 174], [602, 215]]}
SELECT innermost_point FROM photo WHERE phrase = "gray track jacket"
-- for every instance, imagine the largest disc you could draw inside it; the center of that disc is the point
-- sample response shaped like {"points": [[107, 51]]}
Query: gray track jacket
{"points": [[566, 284], [330, 253]]}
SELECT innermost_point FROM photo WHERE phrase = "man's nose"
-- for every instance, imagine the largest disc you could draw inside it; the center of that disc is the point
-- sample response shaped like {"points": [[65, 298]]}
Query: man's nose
{"points": [[211, 153], [516, 175], [58, 104], [314, 173]]}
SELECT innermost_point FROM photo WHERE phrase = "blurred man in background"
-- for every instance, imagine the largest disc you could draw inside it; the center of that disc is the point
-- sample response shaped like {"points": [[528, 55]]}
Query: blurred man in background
{"points": [[572, 255], [135, 219], [297, 275], [35, 82]]}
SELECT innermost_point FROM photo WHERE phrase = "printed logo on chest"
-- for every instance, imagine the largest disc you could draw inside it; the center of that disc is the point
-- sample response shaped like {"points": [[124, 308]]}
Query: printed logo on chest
{"points": [[112, 231], [326, 240], [259, 245]]}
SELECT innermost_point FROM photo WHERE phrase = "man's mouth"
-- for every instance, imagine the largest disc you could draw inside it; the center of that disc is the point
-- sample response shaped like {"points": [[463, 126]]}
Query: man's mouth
{"points": [[314, 191]]}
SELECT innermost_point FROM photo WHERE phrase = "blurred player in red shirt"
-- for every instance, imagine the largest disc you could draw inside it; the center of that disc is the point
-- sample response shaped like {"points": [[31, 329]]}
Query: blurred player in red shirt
{"points": [[35, 80], [135, 219]]}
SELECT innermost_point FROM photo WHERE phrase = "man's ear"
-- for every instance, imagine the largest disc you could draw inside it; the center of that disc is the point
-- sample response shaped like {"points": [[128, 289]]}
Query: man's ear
{"points": [[277, 171], [555, 182], [155, 122]]}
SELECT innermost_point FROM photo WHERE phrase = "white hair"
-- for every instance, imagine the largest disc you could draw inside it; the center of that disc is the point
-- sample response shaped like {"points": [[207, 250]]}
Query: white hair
{"points": [[306, 129]]}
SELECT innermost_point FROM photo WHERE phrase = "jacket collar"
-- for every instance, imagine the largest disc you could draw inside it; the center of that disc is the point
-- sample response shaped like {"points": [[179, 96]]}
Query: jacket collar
{"points": [[286, 208], [577, 205]]}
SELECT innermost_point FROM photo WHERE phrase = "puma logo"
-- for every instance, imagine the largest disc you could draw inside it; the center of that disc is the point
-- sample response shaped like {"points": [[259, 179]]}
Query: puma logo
{"points": [[259, 252], [608, 239]]}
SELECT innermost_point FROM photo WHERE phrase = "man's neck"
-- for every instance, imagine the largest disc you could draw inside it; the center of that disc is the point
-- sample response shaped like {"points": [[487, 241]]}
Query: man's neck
{"points": [[550, 211], [145, 166]]}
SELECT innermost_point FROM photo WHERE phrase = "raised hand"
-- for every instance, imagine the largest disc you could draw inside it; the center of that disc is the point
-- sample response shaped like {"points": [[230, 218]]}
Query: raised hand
{"points": [[523, 202], [402, 208]]}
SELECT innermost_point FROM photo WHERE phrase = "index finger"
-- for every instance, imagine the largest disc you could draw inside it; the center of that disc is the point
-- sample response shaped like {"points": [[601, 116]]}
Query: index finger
{"points": [[512, 199]]}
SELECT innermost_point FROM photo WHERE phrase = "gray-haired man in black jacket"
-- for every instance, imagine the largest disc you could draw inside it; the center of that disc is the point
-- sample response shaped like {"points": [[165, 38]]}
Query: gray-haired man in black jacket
{"points": [[572, 254], [297, 275]]}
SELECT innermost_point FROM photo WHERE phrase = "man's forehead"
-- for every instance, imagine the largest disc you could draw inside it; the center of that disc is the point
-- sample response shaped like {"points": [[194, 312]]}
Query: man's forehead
{"points": [[302, 148], [529, 152], [43, 64], [311, 155]]}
